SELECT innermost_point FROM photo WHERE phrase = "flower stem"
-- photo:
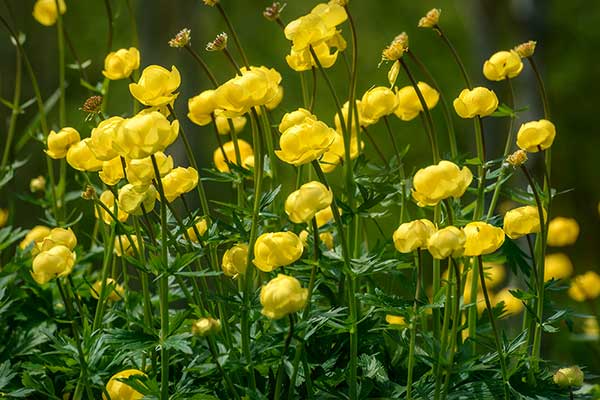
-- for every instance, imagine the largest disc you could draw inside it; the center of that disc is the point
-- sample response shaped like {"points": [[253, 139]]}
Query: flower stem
{"points": [[286, 345], [457, 58], [456, 320], [15, 111], [234, 35], [413, 327], [109, 17]]}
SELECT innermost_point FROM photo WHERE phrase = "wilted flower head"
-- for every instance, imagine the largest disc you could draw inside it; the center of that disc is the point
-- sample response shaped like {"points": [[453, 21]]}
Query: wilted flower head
{"points": [[430, 19], [526, 49], [273, 12], [396, 48], [92, 106], [219, 43], [517, 158], [182, 38]]}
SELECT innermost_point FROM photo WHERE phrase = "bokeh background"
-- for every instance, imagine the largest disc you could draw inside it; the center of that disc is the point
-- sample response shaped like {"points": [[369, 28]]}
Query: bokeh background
{"points": [[567, 32]]}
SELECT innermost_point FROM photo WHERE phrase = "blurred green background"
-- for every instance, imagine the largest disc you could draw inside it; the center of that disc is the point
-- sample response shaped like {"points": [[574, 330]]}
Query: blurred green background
{"points": [[567, 33]]}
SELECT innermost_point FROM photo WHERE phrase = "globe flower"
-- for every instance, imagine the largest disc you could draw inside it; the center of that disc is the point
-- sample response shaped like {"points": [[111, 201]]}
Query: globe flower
{"points": [[585, 287], [302, 204], [344, 110], [275, 100], [81, 158], [36, 234], [101, 139], [123, 246], [303, 60], [112, 171], [59, 143], [121, 63], [141, 171], [438, 182], [409, 105], [179, 181], [156, 86], [324, 216], [562, 231], [57, 237], [557, 266], [229, 149], [479, 101], [201, 107], [502, 65], [137, 199], [108, 199], [206, 326], [223, 124], [116, 291], [45, 12], [334, 156], [571, 376], [397, 320], [447, 242], [376, 103], [146, 133], [482, 238], [327, 239], [235, 260], [512, 305], [282, 296], [522, 221], [56, 262], [317, 26], [536, 135], [277, 249], [413, 235], [118, 390]]}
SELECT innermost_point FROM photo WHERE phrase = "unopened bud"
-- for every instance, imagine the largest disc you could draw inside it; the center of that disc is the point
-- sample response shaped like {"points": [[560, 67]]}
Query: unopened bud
{"points": [[571, 376], [431, 19], [206, 326], [526, 49], [517, 158], [273, 12], [219, 43], [37, 184], [182, 38]]}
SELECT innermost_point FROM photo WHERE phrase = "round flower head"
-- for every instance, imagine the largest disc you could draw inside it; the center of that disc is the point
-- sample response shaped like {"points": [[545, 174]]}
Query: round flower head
{"points": [[281, 296], [482, 238], [235, 260], [179, 181], [200, 226], [101, 139], [112, 171], [45, 12], [273, 250], [512, 305], [141, 171], [409, 105], [137, 199], [229, 149], [536, 135], [502, 65], [80, 157], [344, 110], [276, 100], [562, 231], [206, 326], [336, 152], [522, 221], [438, 182], [123, 246], [413, 235], [447, 242], [59, 143], [223, 124], [302, 204], [156, 86], [121, 63], [571, 376], [316, 27], [201, 107], [144, 134], [57, 237], [585, 287], [108, 199], [36, 234], [304, 60], [557, 266], [118, 390], [376, 103], [477, 102], [55, 262]]}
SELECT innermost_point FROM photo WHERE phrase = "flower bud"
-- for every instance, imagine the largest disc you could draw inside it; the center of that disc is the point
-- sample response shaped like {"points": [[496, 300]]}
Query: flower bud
{"points": [[235, 260], [302, 205], [281, 296], [482, 238], [37, 184], [397, 320], [125, 247], [146, 133], [562, 232], [156, 86], [206, 326], [118, 390], [585, 287], [478, 101], [536, 135], [120, 64], [101, 139], [178, 182], [409, 105], [277, 249], [36, 234], [137, 199], [557, 266], [517, 158], [201, 226], [438, 182], [571, 376], [45, 12], [503, 65], [525, 49], [413, 235], [59, 143], [112, 171], [430, 19], [447, 242], [115, 290], [522, 221], [229, 149], [81, 158], [108, 199], [56, 262]]}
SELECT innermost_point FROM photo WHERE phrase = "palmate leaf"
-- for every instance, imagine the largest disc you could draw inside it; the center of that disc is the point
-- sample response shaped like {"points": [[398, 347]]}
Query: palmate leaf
{"points": [[516, 258]]}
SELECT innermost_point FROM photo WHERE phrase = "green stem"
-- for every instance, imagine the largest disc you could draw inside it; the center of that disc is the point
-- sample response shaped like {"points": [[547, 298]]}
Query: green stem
{"points": [[234, 35], [109, 17], [457, 58], [281, 368], [15, 111], [102, 296], [202, 64], [413, 327], [481, 169], [213, 350], [375, 146], [455, 324], [444, 336], [133, 23]]}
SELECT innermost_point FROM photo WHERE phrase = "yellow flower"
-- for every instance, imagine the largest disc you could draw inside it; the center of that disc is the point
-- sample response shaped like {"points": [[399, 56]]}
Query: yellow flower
{"points": [[447, 242], [101, 139], [144, 134], [112, 171], [396, 49], [517, 158], [156, 86], [229, 149], [223, 124], [36, 234], [120, 64], [58, 261], [201, 107], [59, 143], [557, 266], [327, 239], [302, 204], [118, 390], [590, 327], [206, 326], [44, 11], [522, 221], [274, 102], [108, 199], [335, 154], [585, 287], [438, 182], [571, 376], [317, 26], [235, 260], [303, 60], [201, 226], [395, 320], [277, 249], [304, 140], [37, 184], [482, 238], [344, 110], [324, 216], [479, 101], [431, 19], [137, 199], [141, 171], [116, 290], [413, 235], [123, 246], [56, 237], [502, 65], [512, 305], [81, 157], [376, 103], [536, 135], [409, 105], [562, 231], [281, 296], [3, 217]]}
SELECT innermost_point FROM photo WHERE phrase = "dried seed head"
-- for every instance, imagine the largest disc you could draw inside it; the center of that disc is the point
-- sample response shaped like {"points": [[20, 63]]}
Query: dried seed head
{"points": [[273, 12], [396, 49], [218, 44], [526, 49], [92, 105], [517, 158], [88, 193], [431, 19], [182, 38]]}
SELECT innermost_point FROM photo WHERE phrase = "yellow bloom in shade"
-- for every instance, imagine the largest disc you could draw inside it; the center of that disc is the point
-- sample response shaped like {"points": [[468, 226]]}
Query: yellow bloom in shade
{"points": [[395, 320], [101, 139], [482, 238], [409, 105], [45, 12], [59, 143], [141, 171], [235, 260], [156, 86], [502, 65], [562, 231], [281, 296], [438, 182], [108, 199], [36, 234], [431, 19], [146, 133], [447, 242], [327, 239], [522, 221], [201, 226], [223, 124], [81, 157], [58, 261], [494, 274], [571, 376], [413, 235], [585, 287], [116, 291], [112, 171], [137, 199], [206, 326], [590, 327], [376, 103], [334, 156], [178, 182], [512, 305], [123, 246], [344, 110], [121, 63], [479, 101], [536, 135], [557, 266], [324, 216], [277, 249], [302, 204], [3, 217], [201, 107], [37, 184], [229, 149], [118, 390]]}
